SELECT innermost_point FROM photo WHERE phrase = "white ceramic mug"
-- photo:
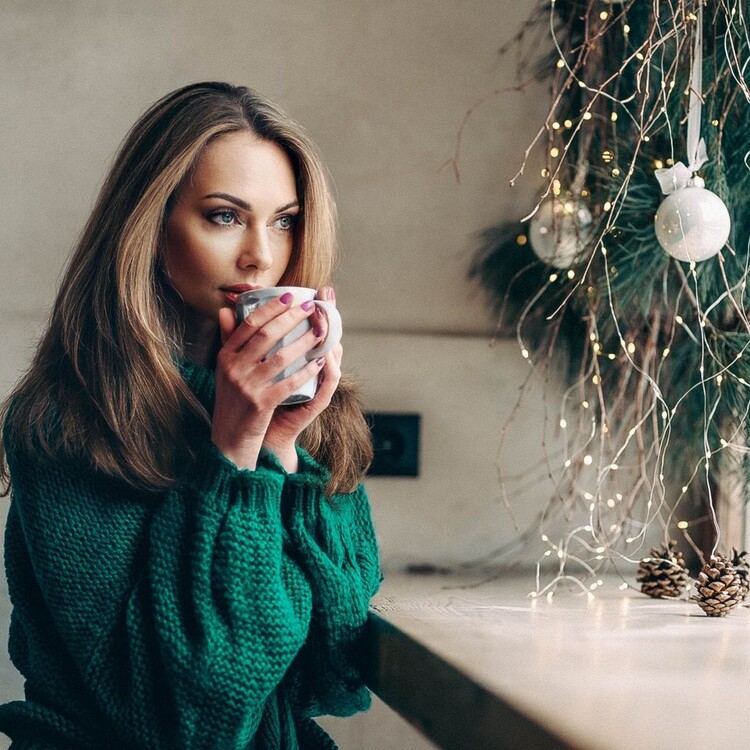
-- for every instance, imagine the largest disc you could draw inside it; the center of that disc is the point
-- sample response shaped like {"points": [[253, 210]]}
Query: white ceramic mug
{"points": [[249, 301]]}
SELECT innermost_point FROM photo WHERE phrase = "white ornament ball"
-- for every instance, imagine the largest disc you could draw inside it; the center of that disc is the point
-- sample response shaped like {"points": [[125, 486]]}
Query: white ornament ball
{"points": [[692, 224], [559, 231]]}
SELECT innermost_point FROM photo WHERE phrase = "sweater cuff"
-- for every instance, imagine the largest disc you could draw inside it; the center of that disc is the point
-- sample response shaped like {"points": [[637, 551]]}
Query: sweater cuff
{"points": [[212, 471], [309, 471]]}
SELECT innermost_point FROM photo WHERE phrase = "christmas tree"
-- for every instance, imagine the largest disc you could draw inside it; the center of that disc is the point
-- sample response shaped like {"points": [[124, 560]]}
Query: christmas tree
{"points": [[634, 264]]}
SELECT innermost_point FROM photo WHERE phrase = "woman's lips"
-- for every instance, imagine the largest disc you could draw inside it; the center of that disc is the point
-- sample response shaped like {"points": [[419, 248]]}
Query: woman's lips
{"points": [[232, 292]]}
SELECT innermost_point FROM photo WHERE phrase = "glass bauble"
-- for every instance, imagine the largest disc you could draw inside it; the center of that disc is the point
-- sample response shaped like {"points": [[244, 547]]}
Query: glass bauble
{"points": [[560, 230], [692, 224]]}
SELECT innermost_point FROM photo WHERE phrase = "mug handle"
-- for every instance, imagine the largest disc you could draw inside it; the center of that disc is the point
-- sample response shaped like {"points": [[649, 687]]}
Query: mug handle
{"points": [[333, 336]]}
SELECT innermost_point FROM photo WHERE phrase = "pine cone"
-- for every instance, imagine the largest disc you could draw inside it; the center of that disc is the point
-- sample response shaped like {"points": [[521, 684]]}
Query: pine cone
{"points": [[663, 575], [742, 566], [718, 588]]}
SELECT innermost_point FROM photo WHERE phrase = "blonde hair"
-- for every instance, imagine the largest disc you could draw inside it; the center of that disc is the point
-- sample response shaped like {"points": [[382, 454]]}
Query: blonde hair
{"points": [[104, 385]]}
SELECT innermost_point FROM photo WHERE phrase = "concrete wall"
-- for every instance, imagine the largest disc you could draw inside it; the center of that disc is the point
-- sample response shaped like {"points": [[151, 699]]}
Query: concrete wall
{"points": [[382, 87]]}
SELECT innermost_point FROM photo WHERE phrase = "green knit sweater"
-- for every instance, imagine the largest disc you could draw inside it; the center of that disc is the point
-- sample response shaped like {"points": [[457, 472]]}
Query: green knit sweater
{"points": [[223, 613]]}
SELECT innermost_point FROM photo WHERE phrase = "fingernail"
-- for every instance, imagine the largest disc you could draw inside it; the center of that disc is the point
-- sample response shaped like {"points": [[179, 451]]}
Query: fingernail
{"points": [[307, 306], [317, 332], [320, 361], [285, 298]]}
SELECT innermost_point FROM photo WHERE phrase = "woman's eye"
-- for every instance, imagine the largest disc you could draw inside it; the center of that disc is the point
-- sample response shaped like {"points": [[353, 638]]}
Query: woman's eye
{"points": [[223, 218], [286, 222]]}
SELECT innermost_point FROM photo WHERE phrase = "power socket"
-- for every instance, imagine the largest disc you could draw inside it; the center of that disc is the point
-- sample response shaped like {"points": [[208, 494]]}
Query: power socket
{"points": [[395, 439]]}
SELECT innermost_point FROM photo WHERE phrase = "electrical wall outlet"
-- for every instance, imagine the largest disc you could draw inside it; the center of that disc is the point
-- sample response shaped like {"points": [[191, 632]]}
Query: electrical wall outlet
{"points": [[395, 439]]}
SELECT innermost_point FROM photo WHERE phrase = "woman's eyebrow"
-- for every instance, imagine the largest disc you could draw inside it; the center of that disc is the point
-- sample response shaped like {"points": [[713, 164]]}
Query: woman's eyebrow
{"points": [[244, 204], [231, 198]]}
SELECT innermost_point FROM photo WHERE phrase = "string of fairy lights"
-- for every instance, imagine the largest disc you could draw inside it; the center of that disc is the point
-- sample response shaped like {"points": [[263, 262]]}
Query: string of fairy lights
{"points": [[621, 421]]}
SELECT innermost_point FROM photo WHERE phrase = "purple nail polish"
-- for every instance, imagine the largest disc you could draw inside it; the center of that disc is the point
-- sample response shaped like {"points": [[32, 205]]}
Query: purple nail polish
{"points": [[317, 332], [307, 306], [285, 298], [320, 361]]}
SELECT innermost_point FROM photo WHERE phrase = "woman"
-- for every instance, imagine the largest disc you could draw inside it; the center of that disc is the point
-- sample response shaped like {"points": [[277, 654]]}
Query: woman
{"points": [[189, 563]]}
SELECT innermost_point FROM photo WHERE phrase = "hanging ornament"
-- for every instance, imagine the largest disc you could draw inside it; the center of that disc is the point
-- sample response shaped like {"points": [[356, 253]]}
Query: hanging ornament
{"points": [[560, 230], [692, 223]]}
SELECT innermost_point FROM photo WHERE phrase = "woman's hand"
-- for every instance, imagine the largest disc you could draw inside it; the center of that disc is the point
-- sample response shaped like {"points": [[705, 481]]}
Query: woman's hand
{"points": [[246, 394], [289, 421]]}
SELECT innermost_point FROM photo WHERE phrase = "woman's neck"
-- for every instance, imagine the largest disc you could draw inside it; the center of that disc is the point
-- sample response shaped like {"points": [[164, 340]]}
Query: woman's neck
{"points": [[201, 341]]}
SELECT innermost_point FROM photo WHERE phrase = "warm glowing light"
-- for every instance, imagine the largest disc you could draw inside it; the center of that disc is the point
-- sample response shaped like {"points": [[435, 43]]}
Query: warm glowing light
{"points": [[631, 347], [682, 524], [596, 380], [604, 15], [587, 115], [571, 274], [525, 353], [607, 206], [613, 117], [658, 164], [588, 460], [561, 63], [553, 277], [608, 155], [554, 152], [563, 423], [568, 123]]}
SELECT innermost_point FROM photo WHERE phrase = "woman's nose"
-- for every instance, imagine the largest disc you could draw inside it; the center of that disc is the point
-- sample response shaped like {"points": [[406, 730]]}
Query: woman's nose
{"points": [[255, 252]]}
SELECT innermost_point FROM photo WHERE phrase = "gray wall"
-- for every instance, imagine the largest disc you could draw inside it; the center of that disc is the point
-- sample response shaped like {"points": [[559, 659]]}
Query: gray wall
{"points": [[382, 87]]}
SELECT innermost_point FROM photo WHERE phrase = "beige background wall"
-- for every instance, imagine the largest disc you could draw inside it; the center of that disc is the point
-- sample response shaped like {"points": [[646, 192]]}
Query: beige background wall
{"points": [[382, 87]]}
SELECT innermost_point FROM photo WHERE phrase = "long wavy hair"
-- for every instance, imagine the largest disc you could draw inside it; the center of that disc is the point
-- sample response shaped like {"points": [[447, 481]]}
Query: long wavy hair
{"points": [[104, 385]]}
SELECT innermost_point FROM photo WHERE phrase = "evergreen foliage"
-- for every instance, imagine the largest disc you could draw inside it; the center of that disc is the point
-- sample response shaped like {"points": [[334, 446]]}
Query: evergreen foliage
{"points": [[635, 64]]}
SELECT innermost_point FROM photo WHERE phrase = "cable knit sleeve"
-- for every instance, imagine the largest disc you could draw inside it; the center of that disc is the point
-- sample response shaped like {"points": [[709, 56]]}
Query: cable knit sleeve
{"points": [[180, 614], [334, 543]]}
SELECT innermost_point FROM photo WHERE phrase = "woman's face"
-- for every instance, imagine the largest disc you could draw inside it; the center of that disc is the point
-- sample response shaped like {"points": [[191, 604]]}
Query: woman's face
{"points": [[232, 226]]}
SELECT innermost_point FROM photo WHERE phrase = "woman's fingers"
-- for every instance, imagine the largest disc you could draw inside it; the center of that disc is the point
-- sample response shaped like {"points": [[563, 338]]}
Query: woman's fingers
{"points": [[274, 364], [290, 384], [267, 325]]}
